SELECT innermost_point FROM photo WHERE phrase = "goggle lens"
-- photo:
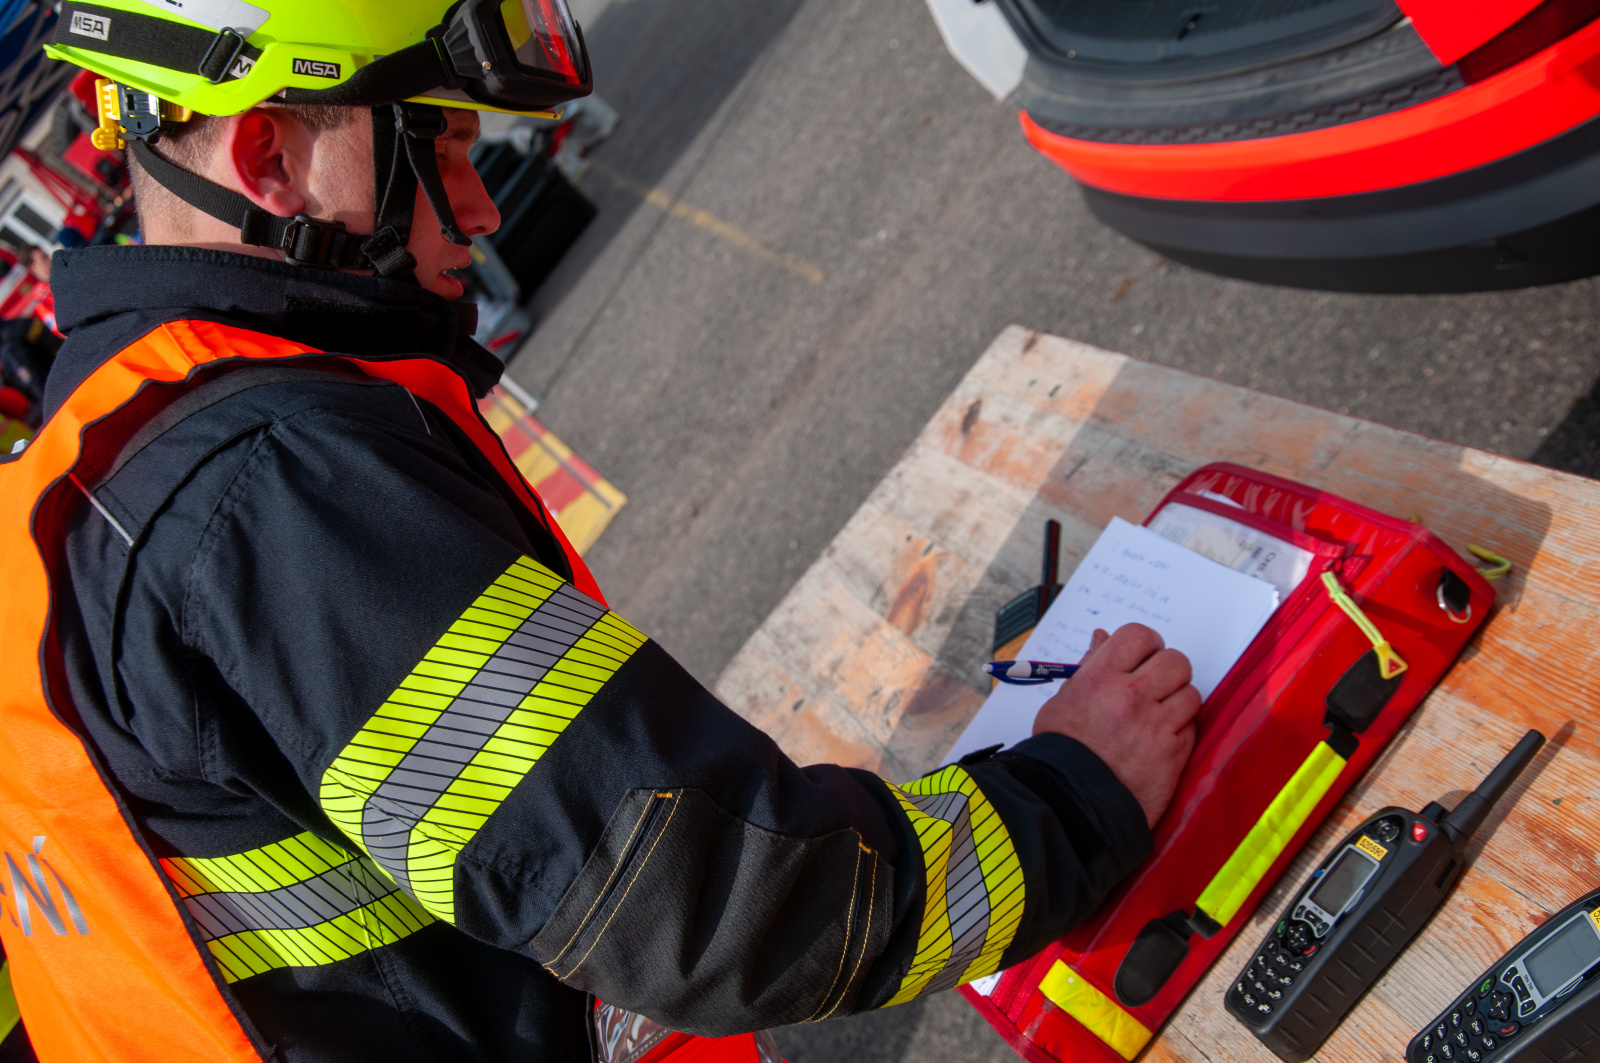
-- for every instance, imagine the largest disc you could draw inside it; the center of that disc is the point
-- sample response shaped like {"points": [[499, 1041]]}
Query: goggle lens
{"points": [[542, 37]]}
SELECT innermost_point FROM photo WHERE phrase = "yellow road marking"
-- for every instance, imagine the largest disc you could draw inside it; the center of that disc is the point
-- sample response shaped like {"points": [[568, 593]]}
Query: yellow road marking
{"points": [[704, 219]]}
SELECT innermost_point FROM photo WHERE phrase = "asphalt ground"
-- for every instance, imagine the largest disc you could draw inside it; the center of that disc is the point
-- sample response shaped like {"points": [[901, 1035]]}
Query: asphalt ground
{"points": [[812, 222]]}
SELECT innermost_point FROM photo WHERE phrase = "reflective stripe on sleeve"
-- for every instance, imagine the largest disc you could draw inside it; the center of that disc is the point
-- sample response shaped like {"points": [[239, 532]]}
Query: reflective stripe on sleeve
{"points": [[436, 760], [301, 902], [974, 883]]}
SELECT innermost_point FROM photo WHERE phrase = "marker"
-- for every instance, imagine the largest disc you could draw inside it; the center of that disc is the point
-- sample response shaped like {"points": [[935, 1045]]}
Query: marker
{"points": [[1029, 673]]}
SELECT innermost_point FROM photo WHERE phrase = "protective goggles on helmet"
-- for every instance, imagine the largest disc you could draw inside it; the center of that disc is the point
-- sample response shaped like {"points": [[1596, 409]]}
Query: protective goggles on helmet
{"points": [[508, 55], [515, 54]]}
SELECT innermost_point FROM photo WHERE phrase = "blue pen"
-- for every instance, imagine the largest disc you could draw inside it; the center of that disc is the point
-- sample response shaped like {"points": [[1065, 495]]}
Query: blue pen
{"points": [[1029, 673]]}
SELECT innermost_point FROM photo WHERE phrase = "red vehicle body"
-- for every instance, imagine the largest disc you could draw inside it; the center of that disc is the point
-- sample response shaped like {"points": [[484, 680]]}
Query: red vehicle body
{"points": [[1424, 146]]}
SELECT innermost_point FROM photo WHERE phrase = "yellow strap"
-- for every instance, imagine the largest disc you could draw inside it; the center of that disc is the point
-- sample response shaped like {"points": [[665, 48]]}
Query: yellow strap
{"points": [[9, 1015], [1388, 660], [1096, 1012], [1232, 885], [1499, 566]]}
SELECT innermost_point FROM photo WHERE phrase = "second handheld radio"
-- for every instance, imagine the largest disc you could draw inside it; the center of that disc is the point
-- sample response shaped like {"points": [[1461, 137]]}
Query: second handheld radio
{"points": [[1359, 909]]}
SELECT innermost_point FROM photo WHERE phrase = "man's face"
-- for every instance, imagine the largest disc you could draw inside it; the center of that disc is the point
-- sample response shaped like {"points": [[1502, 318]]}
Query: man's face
{"points": [[475, 211]]}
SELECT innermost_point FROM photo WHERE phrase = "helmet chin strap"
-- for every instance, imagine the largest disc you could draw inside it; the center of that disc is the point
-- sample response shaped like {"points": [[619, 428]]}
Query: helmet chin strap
{"points": [[403, 136]]}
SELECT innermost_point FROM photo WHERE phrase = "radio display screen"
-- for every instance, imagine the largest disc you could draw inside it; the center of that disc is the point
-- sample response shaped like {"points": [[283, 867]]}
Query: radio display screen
{"points": [[1344, 880], [1564, 955]]}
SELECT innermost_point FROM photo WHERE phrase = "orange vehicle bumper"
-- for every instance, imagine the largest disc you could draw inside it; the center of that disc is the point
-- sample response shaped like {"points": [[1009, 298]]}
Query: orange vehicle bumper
{"points": [[1518, 108]]}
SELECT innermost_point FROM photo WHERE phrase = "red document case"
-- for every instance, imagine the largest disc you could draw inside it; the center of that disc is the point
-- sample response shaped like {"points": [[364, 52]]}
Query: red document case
{"points": [[1303, 713]]}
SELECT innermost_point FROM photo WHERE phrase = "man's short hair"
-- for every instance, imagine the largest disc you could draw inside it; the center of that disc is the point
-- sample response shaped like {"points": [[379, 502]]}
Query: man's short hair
{"points": [[189, 144]]}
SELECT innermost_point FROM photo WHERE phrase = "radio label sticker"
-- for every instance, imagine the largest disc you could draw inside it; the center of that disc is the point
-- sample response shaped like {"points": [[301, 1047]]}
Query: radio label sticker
{"points": [[1371, 848]]}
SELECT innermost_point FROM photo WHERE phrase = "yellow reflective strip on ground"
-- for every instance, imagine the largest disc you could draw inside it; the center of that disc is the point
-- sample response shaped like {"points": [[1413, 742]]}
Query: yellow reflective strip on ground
{"points": [[1228, 891], [1094, 1011], [383, 922], [9, 1015]]}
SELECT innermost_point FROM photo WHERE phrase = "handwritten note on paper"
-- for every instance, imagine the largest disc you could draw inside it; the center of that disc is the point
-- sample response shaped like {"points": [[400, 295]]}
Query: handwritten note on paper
{"points": [[1132, 576]]}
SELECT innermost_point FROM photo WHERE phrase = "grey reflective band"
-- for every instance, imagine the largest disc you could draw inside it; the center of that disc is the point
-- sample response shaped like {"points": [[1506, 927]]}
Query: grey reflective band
{"points": [[420, 780], [301, 902], [337, 891], [426, 771]]}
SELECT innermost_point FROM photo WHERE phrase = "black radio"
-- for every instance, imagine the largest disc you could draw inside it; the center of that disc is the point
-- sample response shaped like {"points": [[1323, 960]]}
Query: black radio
{"points": [[1359, 909], [1540, 1001]]}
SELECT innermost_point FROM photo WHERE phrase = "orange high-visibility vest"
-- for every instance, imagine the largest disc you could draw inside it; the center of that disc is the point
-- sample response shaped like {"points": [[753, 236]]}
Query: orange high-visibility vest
{"points": [[103, 964]]}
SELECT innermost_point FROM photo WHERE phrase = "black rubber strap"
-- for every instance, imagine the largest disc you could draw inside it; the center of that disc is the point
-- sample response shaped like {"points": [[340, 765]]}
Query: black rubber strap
{"points": [[304, 241], [420, 124], [412, 71], [395, 194], [147, 39]]}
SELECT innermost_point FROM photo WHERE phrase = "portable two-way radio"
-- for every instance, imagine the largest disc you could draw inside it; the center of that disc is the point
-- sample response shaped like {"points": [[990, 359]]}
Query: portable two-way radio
{"points": [[1359, 909], [1540, 1001]]}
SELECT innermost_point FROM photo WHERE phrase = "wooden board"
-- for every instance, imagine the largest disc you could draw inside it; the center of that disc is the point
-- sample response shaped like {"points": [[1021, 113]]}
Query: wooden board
{"points": [[873, 659]]}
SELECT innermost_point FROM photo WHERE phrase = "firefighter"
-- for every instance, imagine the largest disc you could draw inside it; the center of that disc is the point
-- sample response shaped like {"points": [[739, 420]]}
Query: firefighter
{"points": [[321, 741]]}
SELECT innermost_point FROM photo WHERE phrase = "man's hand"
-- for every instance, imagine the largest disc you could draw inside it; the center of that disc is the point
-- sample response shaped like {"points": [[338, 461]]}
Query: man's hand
{"points": [[1131, 702]]}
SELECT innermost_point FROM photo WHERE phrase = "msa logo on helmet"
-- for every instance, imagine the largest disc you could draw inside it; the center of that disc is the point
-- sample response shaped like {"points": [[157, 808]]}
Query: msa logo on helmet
{"points": [[89, 25], [316, 68]]}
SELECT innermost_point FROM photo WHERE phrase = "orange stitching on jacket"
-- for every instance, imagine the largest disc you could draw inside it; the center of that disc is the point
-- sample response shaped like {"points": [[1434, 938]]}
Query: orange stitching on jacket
{"points": [[614, 869], [866, 935], [844, 954], [629, 890]]}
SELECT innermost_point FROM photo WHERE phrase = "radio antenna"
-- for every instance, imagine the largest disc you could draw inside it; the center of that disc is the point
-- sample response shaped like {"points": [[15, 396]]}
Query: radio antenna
{"points": [[1474, 808]]}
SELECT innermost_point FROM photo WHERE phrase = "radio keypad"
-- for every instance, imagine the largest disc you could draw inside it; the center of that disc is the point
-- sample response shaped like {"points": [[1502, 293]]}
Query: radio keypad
{"points": [[1499, 1006], [1465, 1036]]}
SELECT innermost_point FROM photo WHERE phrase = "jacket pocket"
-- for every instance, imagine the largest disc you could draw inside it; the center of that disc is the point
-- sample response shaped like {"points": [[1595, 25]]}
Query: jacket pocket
{"points": [[713, 925]]}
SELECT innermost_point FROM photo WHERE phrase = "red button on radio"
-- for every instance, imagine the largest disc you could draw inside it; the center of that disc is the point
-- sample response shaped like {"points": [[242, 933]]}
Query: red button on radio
{"points": [[1418, 832]]}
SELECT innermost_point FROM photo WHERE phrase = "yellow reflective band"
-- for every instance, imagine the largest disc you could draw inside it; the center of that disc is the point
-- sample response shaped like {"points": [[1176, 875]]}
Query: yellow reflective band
{"points": [[973, 884], [1232, 885], [433, 763], [301, 902], [9, 1015], [1094, 1011]]}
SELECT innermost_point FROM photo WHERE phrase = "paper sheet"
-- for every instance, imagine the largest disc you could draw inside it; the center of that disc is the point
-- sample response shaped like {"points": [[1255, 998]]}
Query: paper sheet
{"points": [[1132, 575]]}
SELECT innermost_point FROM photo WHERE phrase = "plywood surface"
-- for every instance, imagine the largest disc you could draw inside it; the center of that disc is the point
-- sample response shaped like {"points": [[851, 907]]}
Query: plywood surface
{"points": [[872, 660]]}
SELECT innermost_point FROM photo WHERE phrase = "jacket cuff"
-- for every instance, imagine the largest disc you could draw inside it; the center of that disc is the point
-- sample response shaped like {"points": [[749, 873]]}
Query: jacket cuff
{"points": [[1093, 790]]}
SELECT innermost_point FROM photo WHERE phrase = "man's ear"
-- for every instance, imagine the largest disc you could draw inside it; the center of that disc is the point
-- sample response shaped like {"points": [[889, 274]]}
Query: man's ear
{"points": [[269, 152]]}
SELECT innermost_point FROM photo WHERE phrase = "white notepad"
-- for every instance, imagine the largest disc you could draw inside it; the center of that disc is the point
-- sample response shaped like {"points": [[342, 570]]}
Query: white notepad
{"points": [[1132, 575]]}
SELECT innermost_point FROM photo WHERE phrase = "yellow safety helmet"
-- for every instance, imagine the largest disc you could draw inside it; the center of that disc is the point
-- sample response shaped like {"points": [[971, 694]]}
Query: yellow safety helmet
{"points": [[221, 57], [164, 59]]}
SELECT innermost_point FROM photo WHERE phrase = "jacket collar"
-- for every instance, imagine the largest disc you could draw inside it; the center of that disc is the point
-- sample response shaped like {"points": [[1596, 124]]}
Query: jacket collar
{"points": [[340, 313]]}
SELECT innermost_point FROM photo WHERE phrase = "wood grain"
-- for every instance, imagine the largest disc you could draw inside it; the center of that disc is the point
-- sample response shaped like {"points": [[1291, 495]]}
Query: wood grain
{"points": [[873, 659]]}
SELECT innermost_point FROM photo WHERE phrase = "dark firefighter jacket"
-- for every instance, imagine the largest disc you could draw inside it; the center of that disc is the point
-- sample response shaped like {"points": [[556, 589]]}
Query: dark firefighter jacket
{"points": [[341, 680]]}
